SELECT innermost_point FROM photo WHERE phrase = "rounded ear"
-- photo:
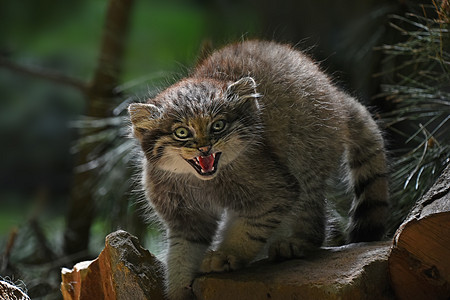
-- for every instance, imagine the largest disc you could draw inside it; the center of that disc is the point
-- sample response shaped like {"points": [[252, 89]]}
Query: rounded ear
{"points": [[242, 89], [143, 116]]}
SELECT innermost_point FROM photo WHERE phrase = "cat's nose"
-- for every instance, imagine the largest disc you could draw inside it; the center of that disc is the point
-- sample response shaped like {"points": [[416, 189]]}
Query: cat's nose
{"points": [[204, 150]]}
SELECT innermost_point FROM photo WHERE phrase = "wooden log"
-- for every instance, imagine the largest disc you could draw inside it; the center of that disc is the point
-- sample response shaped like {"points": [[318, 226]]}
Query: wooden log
{"points": [[350, 272], [419, 263], [123, 271], [8, 291], [126, 271]]}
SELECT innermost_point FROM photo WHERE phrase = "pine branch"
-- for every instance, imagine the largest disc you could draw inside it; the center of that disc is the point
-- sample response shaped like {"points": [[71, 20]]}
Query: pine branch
{"points": [[42, 73], [417, 78]]}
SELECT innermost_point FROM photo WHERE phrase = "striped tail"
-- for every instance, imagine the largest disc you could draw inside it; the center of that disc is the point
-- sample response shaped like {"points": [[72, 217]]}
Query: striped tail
{"points": [[367, 164]]}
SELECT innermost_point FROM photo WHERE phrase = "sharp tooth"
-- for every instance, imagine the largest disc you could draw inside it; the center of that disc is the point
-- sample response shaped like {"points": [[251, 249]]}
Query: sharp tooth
{"points": [[214, 155]]}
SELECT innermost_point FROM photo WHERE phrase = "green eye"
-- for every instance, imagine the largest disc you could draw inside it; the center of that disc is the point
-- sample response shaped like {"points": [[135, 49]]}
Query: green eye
{"points": [[182, 133], [218, 126]]}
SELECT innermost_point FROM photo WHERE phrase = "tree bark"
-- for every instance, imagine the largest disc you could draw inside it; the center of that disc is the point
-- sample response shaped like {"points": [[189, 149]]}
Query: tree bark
{"points": [[419, 263], [100, 93]]}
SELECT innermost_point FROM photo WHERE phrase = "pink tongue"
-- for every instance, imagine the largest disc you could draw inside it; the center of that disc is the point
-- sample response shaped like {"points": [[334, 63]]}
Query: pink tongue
{"points": [[206, 163]]}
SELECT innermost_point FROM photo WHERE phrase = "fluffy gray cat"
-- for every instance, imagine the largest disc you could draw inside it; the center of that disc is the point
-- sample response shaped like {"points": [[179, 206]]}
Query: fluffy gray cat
{"points": [[248, 140]]}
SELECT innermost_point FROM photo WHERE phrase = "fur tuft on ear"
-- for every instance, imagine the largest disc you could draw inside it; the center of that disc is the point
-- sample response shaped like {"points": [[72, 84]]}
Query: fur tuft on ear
{"points": [[243, 88], [142, 116]]}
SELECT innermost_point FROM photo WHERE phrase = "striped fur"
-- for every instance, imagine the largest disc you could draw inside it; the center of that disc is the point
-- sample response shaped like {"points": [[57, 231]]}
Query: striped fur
{"points": [[237, 156]]}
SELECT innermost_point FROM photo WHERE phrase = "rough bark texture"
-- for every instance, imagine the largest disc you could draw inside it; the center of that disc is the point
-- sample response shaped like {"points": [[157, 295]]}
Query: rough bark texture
{"points": [[357, 271], [123, 270], [419, 264], [11, 292]]}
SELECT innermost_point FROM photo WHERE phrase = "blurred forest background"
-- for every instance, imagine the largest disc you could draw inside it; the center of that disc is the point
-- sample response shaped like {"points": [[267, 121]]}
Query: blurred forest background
{"points": [[68, 70]]}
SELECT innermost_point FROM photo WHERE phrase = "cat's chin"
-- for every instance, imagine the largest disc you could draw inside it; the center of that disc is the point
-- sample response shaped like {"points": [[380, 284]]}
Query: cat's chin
{"points": [[205, 166], [205, 177]]}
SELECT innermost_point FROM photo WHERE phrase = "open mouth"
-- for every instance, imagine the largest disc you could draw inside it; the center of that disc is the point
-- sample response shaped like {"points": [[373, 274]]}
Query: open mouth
{"points": [[205, 165]]}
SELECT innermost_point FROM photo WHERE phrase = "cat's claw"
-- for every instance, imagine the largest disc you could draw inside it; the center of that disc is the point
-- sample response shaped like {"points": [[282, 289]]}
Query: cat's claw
{"points": [[217, 261]]}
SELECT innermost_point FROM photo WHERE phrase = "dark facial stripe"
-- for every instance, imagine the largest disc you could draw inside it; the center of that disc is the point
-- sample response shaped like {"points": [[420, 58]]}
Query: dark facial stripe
{"points": [[160, 152], [361, 186], [149, 140]]}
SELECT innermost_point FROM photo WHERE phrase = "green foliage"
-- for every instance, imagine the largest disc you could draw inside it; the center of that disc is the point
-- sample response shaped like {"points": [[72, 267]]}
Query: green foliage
{"points": [[419, 92]]}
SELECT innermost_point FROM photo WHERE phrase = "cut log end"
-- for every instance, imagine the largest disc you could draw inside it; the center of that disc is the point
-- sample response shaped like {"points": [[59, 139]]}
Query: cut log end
{"points": [[419, 263]]}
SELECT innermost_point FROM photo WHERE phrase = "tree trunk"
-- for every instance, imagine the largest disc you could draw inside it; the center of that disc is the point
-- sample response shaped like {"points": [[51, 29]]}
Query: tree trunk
{"points": [[419, 263], [100, 93]]}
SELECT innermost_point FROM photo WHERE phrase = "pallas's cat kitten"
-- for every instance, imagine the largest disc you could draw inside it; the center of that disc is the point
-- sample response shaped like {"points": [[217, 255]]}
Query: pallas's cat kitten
{"points": [[249, 140]]}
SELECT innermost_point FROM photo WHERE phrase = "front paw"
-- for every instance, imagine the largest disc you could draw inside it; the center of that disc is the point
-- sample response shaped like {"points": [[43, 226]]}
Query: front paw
{"points": [[288, 249], [180, 293], [217, 261]]}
